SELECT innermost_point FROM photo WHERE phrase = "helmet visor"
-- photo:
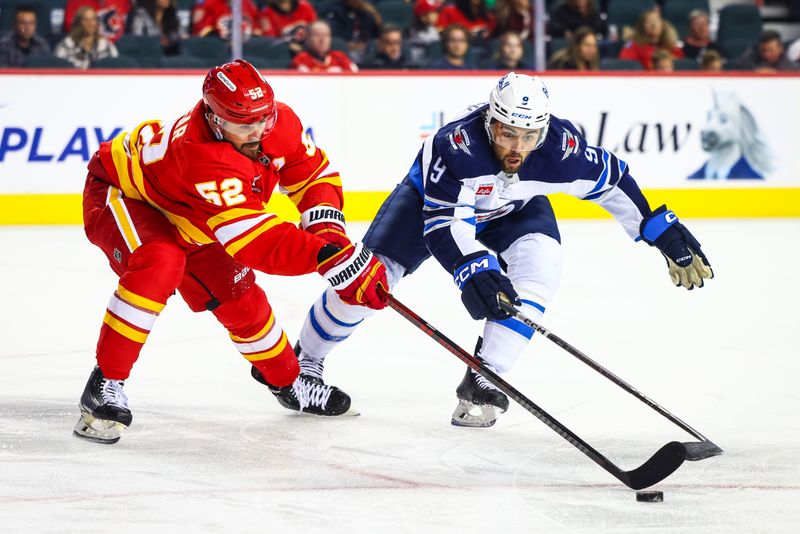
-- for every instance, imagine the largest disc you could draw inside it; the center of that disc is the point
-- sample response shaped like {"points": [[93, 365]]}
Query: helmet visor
{"points": [[514, 137], [252, 131]]}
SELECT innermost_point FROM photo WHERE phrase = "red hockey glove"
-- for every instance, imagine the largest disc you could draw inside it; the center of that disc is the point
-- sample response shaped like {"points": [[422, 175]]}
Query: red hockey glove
{"points": [[327, 223], [355, 273]]}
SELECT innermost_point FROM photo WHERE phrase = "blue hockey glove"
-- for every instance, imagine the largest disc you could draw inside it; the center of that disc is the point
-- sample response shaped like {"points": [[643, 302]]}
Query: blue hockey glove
{"points": [[478, 277], [687, 264]]}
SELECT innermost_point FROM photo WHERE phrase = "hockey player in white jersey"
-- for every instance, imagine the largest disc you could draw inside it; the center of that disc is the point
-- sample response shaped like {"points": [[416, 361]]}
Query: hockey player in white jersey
{"points": [[474, 198]]}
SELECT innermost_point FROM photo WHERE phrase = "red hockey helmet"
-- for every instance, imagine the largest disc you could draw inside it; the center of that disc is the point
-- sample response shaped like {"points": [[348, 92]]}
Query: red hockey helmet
{"points": [[239, 100]]}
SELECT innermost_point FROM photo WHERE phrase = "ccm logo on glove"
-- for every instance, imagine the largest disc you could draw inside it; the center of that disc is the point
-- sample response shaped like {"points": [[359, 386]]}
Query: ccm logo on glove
{"points": [[485, 263]]}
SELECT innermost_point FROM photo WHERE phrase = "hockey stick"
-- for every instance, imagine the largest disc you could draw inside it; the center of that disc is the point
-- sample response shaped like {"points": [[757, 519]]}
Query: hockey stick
{"points": [[662, 464], [701, 450]]}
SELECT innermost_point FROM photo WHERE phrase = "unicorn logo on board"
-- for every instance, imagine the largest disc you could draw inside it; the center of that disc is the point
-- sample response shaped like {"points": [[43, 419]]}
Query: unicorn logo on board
{"points": [[735, 145]]}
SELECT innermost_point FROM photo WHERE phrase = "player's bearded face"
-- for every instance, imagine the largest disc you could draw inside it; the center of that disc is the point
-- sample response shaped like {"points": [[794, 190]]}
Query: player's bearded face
{"points": [[246, 138], [512, 145]]}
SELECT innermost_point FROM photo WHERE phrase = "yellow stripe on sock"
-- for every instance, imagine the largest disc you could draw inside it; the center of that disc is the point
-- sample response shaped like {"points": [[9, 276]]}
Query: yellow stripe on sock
{"points": [[279, 347], [124, 330], [138, 300], [261, 333]]}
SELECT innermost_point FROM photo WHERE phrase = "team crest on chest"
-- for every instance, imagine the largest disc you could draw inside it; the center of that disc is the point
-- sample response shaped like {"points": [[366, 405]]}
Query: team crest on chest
{"points": [[459, 140], [569, 145]]}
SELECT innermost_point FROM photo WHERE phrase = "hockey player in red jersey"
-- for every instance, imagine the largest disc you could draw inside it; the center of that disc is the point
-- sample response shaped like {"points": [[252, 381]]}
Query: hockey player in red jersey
{"points": [[180, 206]]}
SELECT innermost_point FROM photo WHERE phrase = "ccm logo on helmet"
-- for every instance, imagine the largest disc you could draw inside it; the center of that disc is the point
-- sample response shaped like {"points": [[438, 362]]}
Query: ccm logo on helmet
{"points": [[521, 116]]}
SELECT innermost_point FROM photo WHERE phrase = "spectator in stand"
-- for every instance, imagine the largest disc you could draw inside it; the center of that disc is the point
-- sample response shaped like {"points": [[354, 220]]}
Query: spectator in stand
{"points": [[111, 15], [651, 33], [663, 61], [22, 42], [712, 61], [289, 20], [698, 39], [84, 44], [423, 31], [472, 15], [581, 53], [215, 17], [318, 56], [355, 21], [768, 56], [157, 18], [455, 47], [388, 50], [514, 16], [573, 14], [510, 54]]}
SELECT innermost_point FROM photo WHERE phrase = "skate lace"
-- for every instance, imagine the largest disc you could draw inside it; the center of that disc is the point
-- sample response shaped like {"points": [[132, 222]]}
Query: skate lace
{"points": [[113, 393], [312, 367], [311, 394], [483, 383]]}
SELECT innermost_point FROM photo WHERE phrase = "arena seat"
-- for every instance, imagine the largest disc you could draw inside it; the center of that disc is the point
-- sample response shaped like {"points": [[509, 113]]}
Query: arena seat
{"points": [[620, 64], [740, 27], [146, 51]]}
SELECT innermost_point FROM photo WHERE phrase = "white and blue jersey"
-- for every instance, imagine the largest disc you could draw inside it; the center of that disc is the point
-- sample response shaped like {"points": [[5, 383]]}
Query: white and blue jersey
{"points": [[456, 200], [464, 187]]}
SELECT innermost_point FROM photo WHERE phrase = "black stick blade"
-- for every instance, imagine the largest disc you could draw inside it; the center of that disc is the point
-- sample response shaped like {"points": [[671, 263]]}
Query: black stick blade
{"points": [[700, 450], [661, 465]]}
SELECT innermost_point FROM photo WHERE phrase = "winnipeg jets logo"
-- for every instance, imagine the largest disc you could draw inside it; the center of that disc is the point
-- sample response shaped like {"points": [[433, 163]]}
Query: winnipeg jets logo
{"points": [[459, 140], [569, 145]]}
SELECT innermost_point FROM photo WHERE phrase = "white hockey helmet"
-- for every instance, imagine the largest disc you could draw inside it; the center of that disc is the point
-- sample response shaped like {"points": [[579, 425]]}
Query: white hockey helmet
{"points": [[520, 101]]}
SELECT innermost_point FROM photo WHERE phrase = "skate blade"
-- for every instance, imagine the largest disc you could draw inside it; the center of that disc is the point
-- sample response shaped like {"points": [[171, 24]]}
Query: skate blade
{"points": [[98, 430], [351, 412], [474, 415]]}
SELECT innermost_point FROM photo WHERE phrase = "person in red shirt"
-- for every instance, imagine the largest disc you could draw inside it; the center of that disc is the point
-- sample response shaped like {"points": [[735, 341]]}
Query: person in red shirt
{"points": [[111, 14], [215, 17], [651, 33], [181, 206], [318, 56], [288, 19], [472, 14]]}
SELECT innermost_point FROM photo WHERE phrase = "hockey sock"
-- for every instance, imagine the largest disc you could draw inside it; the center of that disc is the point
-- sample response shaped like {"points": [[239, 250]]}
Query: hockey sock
{"points": [[504, 341], [126, 324], [257, 336], [153, 272], [329, 322]]}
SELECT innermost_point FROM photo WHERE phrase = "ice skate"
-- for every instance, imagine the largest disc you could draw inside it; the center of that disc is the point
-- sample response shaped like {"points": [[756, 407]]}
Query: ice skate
{"points": [[309, 393], [104, 410], [479, 401]]}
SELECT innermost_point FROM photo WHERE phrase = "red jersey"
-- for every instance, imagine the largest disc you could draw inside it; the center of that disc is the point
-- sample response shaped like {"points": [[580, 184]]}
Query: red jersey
{"points": [[643, 53], [215, 16], [450, 14], [335, 61], [212, 193], [275, 23], [111, 15]]}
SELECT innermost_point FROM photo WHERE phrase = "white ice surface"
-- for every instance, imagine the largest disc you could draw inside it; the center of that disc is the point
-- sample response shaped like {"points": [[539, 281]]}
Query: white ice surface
{"points": [[211, 451]]}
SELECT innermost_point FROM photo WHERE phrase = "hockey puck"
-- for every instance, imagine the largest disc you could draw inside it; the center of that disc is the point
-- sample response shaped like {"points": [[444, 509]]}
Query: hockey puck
{"points": [[650, 496]]}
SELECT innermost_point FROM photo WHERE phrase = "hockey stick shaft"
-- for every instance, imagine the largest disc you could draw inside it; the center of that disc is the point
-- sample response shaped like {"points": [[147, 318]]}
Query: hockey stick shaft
{"points": [[508, 307], [662, 464]]}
